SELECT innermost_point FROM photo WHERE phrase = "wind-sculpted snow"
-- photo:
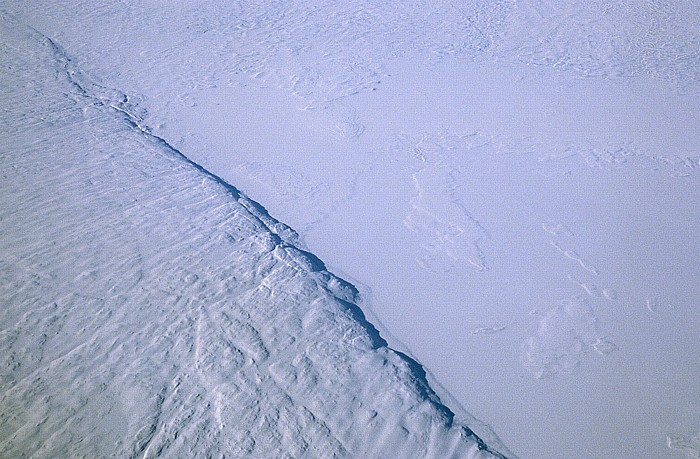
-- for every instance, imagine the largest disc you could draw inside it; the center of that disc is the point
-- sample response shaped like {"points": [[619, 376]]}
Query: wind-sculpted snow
{"points": [[151, 310], [628, 38], [511, 185], [323, 51], [278, 42]]}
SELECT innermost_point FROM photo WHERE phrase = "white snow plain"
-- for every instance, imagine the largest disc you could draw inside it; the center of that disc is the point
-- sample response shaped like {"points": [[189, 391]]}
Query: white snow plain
{"points": [[512, 186], [151, 310]]}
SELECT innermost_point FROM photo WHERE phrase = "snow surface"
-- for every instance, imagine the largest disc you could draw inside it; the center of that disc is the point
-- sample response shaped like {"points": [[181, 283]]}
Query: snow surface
{"points": [[511, 185], [150, 309]]}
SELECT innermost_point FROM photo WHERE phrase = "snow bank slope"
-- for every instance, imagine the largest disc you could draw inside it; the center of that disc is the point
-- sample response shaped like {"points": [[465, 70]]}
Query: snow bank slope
{"points": [[149, 309]]}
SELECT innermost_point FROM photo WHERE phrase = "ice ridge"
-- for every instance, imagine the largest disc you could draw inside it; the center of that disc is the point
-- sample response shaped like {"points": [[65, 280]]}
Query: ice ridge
{"points": [[152, 309]]}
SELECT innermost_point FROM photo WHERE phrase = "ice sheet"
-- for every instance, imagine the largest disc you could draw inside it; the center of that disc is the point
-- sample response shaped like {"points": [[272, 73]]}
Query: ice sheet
{"points": [[513, 187]]}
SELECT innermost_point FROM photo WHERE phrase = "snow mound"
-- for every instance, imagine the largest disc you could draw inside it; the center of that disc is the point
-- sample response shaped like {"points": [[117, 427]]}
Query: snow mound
{"points": [[150, 309]]}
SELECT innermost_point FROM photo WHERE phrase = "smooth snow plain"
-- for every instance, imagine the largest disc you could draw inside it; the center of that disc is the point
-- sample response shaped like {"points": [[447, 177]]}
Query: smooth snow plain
{"points": [[512, 188]]}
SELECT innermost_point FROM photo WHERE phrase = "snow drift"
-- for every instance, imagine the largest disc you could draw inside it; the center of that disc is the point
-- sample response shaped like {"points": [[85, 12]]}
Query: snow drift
{"points": [[150, 309]]}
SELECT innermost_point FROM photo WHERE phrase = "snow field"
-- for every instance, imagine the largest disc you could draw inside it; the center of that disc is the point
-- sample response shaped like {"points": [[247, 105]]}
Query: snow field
{"points": [[511, 186], [150, 309]]}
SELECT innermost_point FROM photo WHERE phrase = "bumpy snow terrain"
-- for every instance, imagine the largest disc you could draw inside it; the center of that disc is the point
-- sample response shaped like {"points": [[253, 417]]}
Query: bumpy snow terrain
{"points": [[511, 187], [151, 310]]}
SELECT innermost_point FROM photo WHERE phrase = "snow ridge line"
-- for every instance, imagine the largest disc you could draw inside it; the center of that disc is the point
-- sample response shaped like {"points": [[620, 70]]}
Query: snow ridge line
{"points": [[284, 238]]}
